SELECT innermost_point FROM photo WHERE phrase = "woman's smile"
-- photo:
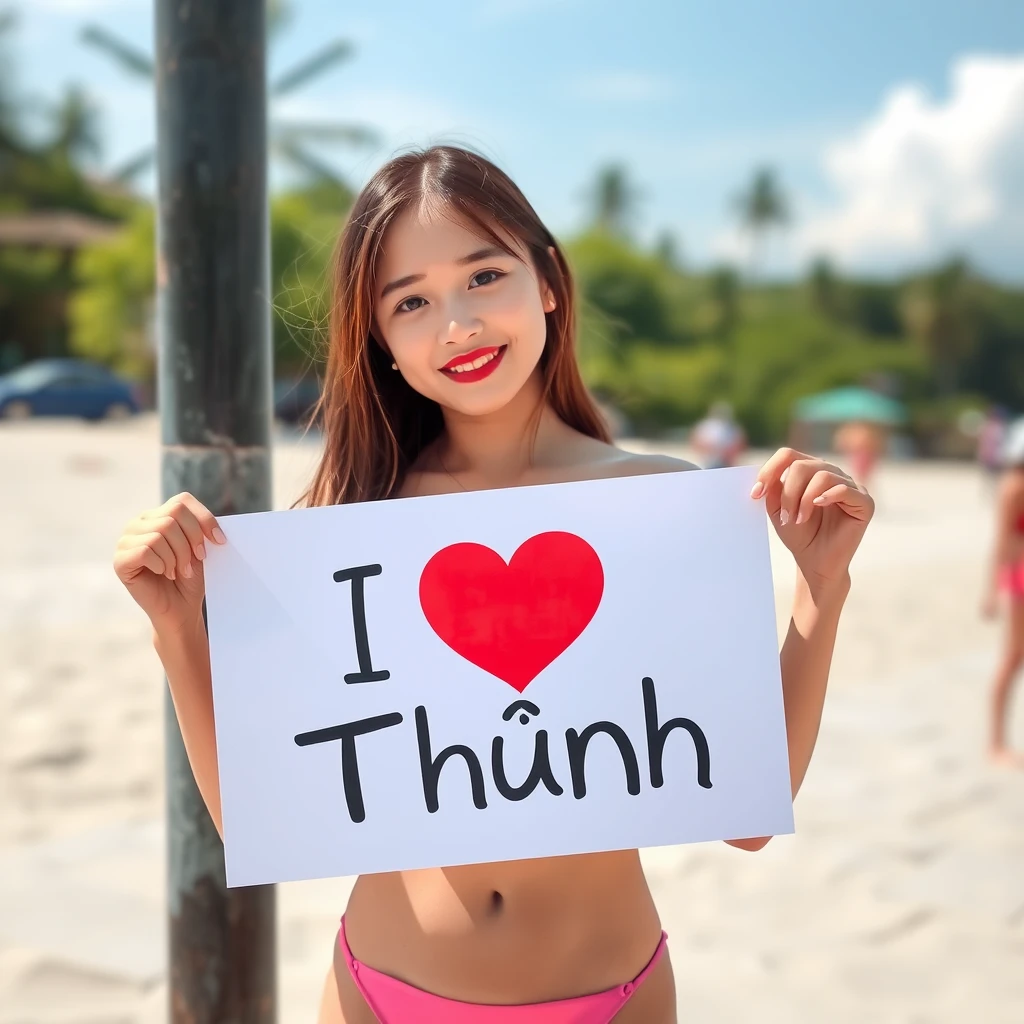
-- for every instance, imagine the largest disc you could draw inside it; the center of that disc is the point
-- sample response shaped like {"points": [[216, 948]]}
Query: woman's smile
{"points": [[475, 365]]}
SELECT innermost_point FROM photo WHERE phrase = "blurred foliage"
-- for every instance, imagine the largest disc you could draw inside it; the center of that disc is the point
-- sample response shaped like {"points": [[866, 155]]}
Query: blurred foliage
{"points": [[304, 227], [293, 143], [658, 341], [111, 311], [660, 344]]}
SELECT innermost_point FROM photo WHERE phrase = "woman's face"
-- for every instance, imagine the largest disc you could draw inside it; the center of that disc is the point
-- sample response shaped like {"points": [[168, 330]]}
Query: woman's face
{"points": [[463, 320]]}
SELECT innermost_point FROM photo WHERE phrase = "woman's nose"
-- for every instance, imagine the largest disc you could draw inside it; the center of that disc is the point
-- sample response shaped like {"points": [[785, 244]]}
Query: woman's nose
{"points": [[460, 329]]}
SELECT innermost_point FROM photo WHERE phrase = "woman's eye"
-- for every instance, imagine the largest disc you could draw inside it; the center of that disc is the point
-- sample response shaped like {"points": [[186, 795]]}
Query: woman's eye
{"points": [[410, 305], [486, 277]]}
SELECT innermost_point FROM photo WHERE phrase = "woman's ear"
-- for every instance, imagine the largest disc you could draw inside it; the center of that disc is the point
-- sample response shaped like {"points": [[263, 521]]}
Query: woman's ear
{"points": [[549, 296]]}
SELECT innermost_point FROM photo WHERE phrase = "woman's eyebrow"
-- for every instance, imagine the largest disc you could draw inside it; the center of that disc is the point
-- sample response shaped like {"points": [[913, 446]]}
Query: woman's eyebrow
{"points": [[462, 261]]}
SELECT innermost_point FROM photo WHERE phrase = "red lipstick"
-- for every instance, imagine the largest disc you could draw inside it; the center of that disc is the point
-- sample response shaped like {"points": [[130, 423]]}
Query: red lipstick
{"points": [[496, 352]]}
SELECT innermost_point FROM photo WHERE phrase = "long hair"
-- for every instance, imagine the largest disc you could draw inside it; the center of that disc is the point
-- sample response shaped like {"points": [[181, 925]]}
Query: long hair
{"points": [[375, 425]]}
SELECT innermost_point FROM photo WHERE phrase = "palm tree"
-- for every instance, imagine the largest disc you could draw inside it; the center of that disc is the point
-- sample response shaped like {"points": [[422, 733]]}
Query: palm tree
{"points": [[75, 123], [724, 286], [668, 251], [289, 141], [614, 200], [825, 287], [940, 313], [762, 207], [11, 141]]}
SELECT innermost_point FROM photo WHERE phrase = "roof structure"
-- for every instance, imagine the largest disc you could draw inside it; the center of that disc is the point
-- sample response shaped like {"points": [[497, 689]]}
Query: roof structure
{"points": [[53, 229]]}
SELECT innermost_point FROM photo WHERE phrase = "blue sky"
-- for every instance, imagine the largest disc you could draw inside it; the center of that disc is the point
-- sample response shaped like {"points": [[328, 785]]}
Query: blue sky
{"points": [[897, 127]]}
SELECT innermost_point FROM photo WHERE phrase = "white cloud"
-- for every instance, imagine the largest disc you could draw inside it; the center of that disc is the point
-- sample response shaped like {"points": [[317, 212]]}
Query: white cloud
{"points": [[622, 86], [923, 177]]}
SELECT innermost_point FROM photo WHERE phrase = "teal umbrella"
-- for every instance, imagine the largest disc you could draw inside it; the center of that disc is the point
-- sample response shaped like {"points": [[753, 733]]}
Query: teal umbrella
{"points": [[844, 405]]}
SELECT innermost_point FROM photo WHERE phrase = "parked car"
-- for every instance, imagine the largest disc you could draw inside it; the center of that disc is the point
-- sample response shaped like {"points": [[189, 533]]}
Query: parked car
{"points": [[65, 387], [295, 399]]}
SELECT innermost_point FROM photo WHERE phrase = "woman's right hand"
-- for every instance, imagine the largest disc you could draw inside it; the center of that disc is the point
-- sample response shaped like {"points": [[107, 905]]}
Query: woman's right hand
{"points": [[159, 558]]}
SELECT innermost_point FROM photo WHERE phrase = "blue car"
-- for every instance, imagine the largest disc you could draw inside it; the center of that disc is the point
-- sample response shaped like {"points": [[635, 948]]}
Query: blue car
{"points": [[65, 387]]}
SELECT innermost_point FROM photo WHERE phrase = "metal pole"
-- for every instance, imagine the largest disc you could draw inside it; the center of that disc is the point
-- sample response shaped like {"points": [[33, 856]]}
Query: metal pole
{"points": [[214, 397]]}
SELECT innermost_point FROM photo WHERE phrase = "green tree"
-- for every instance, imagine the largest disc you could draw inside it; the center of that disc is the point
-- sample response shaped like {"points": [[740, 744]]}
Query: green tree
{"points": [[624, 289], [304, 227], [75, 127], [614, 201], [762, 207], [112, 309], [668, 250], [290, 141], [41, 175], [724, 287], [825, 287], [10, 126], [111, 312], [940, 314]]}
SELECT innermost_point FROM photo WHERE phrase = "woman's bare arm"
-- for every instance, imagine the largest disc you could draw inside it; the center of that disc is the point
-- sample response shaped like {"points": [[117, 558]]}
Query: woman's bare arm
{"points": [[186, 660], [806, 660]]}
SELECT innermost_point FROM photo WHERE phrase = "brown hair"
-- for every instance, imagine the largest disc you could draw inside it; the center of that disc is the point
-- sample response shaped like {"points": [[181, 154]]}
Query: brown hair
{"points": [[375, 425]]}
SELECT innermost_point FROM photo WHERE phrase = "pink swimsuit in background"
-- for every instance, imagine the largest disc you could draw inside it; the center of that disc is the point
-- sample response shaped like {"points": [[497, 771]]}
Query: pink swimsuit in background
{"points": [[1011, 576], [395, 1002]]}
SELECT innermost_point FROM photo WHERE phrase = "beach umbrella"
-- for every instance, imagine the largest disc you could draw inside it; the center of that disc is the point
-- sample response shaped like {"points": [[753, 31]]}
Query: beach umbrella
{"points": [[844, 405]]}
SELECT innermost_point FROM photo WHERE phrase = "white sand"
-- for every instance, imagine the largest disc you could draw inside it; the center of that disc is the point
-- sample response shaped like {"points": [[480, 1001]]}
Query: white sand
{"points": [[901, 899]]}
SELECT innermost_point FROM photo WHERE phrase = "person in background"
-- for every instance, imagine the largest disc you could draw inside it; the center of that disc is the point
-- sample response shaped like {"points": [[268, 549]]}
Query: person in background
{"points": [[1006, 581], [862, 444], [718, 439], [991, 438]]}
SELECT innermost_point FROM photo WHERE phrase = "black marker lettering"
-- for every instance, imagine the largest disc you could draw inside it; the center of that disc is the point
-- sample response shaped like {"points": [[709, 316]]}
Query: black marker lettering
{"points": [[541, 770], [356, 576], [576, 747], [430, 768], [656, 737], [347, 733]]}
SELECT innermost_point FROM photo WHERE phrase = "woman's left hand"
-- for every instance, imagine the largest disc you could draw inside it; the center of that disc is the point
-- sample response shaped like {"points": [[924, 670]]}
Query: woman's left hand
{"points": [[818, 511]]}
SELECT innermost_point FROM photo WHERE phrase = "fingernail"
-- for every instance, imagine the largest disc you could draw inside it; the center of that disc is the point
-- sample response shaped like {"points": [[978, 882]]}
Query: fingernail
{"points": [[783, 517], [200, 551], [171, 575], [819, 500], [757, 490], [218, 535], [799, 518], [187, 571]]}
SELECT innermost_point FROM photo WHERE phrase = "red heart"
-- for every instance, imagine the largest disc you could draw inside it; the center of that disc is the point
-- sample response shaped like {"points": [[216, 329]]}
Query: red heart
{"points": [[513, 620]]}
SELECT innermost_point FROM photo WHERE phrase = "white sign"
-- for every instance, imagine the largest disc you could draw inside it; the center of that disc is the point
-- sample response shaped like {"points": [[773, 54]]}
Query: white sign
{"points": [[496, 675]]}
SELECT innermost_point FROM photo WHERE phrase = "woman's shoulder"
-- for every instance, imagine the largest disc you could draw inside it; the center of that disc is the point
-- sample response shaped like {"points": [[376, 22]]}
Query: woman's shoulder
{"points": [[606, 461]]}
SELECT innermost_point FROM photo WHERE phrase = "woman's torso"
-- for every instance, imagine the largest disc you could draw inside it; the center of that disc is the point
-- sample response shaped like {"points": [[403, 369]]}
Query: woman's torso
{"points": [[515, 931], [509, 932]]}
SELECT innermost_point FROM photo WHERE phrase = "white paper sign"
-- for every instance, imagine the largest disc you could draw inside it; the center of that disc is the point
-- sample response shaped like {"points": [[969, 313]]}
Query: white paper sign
{"points": [[496, 675]]}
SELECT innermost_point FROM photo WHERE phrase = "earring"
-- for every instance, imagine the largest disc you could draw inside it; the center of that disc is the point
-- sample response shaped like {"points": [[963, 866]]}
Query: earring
{"points": [[394, 366]]}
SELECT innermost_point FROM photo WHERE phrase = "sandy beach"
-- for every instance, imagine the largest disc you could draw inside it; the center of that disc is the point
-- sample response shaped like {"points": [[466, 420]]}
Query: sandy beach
{"points": [[900, 900]]}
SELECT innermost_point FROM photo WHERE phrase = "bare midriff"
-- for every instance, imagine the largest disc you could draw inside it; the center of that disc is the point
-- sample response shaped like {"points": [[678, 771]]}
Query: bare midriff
{"points": [[509, 932]]}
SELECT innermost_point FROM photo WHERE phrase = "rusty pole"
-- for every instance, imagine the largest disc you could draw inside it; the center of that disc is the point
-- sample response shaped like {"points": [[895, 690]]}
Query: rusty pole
{"points": [[214, 398]]}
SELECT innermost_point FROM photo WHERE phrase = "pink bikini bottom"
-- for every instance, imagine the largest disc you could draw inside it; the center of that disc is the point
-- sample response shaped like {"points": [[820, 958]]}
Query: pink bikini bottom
{"points": [[1011, 580], [395, 1002]]}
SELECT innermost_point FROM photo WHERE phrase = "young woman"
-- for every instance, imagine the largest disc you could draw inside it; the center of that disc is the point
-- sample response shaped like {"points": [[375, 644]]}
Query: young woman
{"points": [[1007, 579], [451, 368]]}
